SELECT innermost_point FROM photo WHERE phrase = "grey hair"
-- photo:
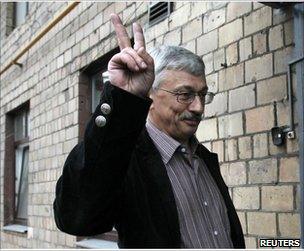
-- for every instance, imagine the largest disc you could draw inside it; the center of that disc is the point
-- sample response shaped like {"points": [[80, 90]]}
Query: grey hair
{"points": [[175, 58]]}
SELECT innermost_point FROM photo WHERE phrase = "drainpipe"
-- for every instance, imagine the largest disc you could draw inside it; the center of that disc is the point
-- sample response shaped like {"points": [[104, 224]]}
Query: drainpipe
{"points": [[298, 13]]}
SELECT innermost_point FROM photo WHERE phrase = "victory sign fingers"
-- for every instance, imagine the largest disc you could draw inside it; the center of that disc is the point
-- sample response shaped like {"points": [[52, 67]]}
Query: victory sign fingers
{"points": [[123, 37]]}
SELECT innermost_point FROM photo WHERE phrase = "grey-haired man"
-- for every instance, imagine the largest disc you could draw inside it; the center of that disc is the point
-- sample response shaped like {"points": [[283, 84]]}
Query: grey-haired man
{"points": [[140, 168]]}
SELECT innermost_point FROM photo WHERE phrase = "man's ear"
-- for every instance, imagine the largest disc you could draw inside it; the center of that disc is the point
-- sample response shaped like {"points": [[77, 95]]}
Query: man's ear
{"points": [[151, 93], [151, 96], [152, 104]]}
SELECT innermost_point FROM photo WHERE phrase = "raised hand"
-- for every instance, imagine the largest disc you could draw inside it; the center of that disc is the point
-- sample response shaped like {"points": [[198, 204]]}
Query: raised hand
{"points": [[133, 68]]}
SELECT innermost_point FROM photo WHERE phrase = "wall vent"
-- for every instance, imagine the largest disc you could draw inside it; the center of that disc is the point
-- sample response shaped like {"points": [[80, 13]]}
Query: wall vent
{"points": [[158, 11]]}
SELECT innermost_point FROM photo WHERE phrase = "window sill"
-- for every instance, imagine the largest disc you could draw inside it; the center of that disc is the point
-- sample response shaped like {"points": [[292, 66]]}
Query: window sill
{"points": [[96, 244], [16, 228]]}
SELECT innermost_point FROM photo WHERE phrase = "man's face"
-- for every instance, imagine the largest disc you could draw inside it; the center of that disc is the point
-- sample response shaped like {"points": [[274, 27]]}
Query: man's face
{"points": [[178, 120]]}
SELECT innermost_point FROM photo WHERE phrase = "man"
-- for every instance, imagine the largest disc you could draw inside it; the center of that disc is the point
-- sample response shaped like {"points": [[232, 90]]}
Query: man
{"points": [[140, 167]]}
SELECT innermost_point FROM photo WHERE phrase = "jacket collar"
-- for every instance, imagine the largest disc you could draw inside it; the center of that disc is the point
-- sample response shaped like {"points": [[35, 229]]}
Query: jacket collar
{"points": [[165, 144]]}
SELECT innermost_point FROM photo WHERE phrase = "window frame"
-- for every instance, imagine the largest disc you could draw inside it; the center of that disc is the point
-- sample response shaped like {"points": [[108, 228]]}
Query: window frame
{"points": [[85, 111], [11, 16], [85, 88], [10, 205]]}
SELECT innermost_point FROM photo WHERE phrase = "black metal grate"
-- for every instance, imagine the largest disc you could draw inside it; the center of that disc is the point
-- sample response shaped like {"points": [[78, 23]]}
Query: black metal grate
{"points": [[279, 5], [158, 11]]}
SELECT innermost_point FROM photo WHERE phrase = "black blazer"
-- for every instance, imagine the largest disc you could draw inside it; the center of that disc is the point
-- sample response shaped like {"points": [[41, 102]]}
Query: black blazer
{"points": [[116, 177]]}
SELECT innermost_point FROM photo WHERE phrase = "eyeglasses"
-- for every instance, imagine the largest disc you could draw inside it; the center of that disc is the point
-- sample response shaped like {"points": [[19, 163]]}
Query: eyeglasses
{"points": [[185, 97]]}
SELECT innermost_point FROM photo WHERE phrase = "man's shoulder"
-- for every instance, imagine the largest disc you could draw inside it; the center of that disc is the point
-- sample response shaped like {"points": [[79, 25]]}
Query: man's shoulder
{"points": [[144, 141]]}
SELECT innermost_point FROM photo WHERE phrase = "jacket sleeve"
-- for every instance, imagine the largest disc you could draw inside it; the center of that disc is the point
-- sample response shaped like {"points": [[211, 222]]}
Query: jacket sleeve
{"points": [[88, 191]]}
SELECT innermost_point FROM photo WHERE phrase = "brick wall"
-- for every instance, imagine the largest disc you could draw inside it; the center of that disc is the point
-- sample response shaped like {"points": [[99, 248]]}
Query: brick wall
{"points": [[253, 40]]}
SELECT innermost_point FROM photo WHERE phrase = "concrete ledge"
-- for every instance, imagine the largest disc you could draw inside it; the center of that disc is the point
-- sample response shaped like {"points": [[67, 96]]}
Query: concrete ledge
{"points": [[96, 244], [16, 228]]}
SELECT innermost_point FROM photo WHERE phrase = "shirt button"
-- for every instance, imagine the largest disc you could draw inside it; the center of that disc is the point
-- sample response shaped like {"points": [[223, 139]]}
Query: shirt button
{"points": [[183, 149], [215, 232], [205, 203]]}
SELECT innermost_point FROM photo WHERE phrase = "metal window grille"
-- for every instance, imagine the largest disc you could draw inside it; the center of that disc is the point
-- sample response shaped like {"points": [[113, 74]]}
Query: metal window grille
{"points": [[158, 11]]}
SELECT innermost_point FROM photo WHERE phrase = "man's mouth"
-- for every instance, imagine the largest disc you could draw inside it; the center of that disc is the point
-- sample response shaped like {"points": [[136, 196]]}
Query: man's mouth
{"points": [[192, 122]]}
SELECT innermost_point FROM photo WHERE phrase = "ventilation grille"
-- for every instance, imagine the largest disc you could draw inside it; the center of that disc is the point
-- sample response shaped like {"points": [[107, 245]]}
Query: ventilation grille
{"points": [[158, 11]]}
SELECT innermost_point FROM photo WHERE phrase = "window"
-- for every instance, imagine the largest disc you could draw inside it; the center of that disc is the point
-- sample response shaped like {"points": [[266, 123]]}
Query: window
{"points": [[16, 167], [106, 240], [91, 83], [16, 13], [20, 12], [9, 18], [97, 82], [21, 126]]}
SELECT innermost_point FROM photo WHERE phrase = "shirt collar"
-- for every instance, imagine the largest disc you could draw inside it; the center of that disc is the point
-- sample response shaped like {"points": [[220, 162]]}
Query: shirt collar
{"points": [[165, 144]]}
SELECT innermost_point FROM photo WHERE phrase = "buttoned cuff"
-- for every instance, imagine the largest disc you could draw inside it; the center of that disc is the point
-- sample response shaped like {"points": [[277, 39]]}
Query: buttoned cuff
{"points": [[120, 113]]}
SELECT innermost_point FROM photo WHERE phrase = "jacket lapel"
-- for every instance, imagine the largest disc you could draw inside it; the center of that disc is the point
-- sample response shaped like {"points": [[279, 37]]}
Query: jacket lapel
{"points": [[155, 168], [212, 164]]}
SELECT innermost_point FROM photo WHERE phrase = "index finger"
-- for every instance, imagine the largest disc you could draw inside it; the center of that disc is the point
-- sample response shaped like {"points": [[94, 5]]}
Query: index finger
{"points": [[139, 39], [121, 32]]}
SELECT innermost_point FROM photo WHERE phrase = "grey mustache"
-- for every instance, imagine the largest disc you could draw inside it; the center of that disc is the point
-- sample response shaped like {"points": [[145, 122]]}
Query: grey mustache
{"points": [[191, 116]]}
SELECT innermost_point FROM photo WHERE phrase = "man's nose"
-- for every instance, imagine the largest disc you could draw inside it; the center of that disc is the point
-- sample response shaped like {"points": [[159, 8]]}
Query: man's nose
{"points": [[197, 105]]}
